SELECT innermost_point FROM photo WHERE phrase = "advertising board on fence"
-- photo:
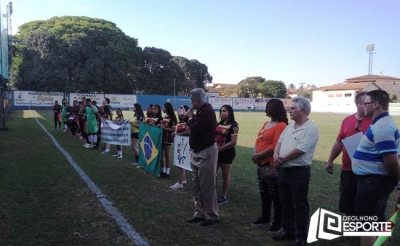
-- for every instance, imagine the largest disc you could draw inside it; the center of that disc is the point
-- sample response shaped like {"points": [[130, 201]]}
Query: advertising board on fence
{"points": [[121, 101], [36, 98], [217, 102], [182, 152], [94, 97], [243, 103], [118, 133]]}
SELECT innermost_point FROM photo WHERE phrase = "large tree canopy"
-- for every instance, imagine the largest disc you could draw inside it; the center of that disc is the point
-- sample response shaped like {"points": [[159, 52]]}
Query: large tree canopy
{"points": [[158, 74], [272, 88], [249, 87], [82, 54], [194, 70], [75, 54]]}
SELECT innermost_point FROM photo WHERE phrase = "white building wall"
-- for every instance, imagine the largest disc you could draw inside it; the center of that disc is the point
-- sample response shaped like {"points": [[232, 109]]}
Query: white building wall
{"points": [[334, 101]]}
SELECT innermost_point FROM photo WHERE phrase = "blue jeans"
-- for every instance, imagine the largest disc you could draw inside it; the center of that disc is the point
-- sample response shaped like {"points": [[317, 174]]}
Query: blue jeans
{"points": [[293, 189], [372, 195]]}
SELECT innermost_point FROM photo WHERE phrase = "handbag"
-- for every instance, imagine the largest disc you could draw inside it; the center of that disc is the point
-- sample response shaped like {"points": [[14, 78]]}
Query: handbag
{"points": [[266, 171]]}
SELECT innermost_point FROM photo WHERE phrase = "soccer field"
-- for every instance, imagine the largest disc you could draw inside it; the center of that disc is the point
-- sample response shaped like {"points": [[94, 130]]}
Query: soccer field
{"points": [[43, 200]]}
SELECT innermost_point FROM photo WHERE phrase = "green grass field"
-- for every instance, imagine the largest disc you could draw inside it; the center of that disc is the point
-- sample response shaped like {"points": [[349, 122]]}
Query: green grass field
{"points": [[43, 201]]}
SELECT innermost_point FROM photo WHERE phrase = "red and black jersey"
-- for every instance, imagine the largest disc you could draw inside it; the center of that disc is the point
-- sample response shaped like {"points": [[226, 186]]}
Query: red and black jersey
{"points": [[74, 110], [181, 127], [166, 135], [154, 121], [57, 109], [225, 132]]}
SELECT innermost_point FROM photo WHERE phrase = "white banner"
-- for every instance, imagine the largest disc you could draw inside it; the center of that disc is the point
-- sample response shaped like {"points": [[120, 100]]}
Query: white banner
{"points": [[94, 97], [36, 98], [182, 152], [243, 103], [121, 101], [217, 102], [118, 133]]}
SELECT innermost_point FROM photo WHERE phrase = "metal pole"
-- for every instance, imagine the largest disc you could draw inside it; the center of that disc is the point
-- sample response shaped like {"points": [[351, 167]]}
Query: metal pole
{"points": [[174, 95], [370, 50]]}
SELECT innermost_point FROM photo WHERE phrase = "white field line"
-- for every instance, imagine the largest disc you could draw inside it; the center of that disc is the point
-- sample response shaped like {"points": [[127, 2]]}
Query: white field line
{"points": [[107, 204]]}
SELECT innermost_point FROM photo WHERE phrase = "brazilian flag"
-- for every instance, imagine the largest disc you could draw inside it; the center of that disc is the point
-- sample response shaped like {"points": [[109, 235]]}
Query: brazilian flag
{"points": [[150, 148]]}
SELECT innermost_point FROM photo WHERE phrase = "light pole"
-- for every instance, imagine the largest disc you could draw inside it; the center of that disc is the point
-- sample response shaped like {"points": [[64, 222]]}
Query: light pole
{"points": [[370, 50], [174, 95]]}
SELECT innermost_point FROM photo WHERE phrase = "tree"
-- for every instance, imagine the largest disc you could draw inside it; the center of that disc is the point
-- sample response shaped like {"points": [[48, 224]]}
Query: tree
{"points": [[76, 54], [392, 98], [194, 70], [272, 88], [291, 86], [305, 93], [249, 86], [158, 72]]}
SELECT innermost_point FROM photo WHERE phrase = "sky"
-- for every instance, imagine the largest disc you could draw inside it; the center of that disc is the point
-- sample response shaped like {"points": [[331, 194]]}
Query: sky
{"points": [[315, 42]]}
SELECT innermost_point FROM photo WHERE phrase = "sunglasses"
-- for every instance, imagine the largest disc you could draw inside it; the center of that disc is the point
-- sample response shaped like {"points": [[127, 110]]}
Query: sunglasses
{"points": [[358, 124]]}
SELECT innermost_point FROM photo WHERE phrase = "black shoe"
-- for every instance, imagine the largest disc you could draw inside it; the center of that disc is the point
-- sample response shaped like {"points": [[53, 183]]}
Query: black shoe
{"points": [[195, 220], [284, 236], [300, 243], [274, 230], [260, 222], [209, 222], [164, 175]]}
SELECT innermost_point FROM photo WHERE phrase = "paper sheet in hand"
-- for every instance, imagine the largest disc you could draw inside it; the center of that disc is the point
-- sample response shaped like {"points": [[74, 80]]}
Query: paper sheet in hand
{"points": [[351, 143]]}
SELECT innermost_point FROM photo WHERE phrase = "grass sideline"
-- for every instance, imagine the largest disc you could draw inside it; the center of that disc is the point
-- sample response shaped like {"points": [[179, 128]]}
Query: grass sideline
{"points": [[44, 202]]}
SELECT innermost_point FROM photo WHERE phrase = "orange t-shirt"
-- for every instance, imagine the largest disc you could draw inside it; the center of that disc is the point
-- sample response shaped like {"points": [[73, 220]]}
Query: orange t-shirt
{"points": [[267, 139]]}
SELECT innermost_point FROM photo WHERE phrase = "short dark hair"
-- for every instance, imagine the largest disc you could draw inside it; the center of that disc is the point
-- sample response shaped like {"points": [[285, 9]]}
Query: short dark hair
{"points": [[88, 100], [360, 95], [107, 100], [380, 96]]}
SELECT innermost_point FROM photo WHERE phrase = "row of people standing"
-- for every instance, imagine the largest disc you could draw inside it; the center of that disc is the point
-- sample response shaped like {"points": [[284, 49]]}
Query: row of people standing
{"points": [[226, 138], [283, 153]]}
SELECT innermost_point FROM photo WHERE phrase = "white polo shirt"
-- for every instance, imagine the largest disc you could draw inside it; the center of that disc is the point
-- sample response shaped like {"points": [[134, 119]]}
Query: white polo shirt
{"points": [[304, 138]]}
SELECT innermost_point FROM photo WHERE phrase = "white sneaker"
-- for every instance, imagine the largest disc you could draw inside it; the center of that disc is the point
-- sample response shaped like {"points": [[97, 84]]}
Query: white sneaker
{"points": [[88, 146], [184, 182], [176, 186], [119, 156], [80, 138], [116, 155], [134, 163]]}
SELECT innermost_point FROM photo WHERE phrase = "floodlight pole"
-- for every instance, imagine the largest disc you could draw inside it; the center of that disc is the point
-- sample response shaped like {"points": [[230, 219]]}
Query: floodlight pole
{"points": [[174, 95], [370, 50]]}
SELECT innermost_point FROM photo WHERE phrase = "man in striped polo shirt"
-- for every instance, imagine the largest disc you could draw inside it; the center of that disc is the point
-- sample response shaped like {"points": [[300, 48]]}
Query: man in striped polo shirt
{"points": [[375, 161]]}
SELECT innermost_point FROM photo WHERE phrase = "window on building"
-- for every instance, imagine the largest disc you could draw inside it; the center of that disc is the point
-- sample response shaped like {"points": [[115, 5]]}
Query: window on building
{"points": [[347, 94], [331, 95], [339, 95]]}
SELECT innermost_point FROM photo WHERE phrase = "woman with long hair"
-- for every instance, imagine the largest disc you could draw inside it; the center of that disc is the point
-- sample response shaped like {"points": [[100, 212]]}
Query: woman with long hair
{"points": [[154, 118], [267, 138], [183, 130], [137, 117], [149, 112], [227, 135], [168, 125]]}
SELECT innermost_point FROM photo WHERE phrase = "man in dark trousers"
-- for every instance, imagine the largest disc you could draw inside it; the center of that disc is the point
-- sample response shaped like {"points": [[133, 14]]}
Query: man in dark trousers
{"points": [[203, 126]]}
